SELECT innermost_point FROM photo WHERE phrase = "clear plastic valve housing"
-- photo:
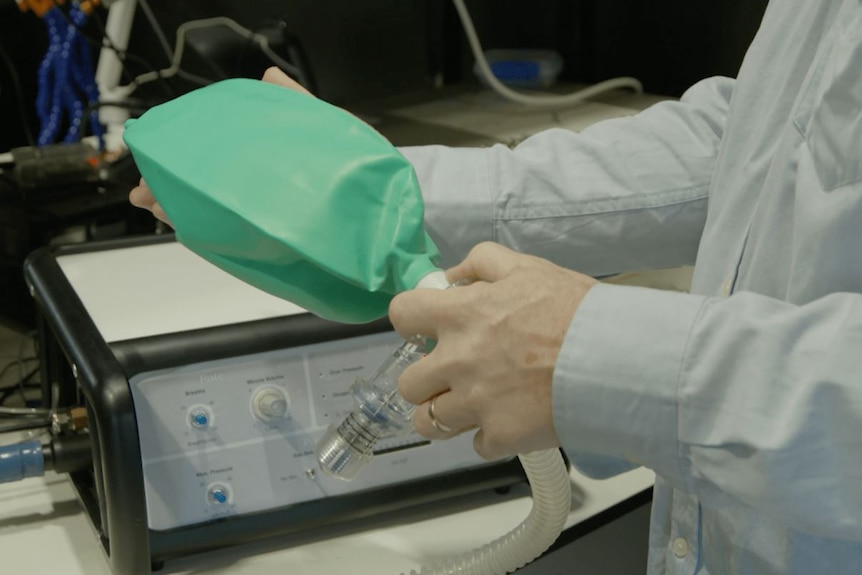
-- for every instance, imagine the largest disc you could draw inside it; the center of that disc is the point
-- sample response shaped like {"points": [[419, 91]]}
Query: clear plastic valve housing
{"points": [[379, 411]]}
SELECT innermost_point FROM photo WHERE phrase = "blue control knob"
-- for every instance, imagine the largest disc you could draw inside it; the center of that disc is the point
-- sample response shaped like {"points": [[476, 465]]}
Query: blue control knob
{"points": [[200, 417], [218, 494]]}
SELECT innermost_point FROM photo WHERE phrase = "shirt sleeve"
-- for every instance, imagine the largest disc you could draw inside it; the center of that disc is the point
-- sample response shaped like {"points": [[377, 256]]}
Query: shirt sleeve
{"points": [[745, 399], [624, 194]]}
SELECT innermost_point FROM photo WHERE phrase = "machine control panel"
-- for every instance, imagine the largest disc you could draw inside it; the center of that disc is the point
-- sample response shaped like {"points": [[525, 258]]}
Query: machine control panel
{"points": [[237, 435]]}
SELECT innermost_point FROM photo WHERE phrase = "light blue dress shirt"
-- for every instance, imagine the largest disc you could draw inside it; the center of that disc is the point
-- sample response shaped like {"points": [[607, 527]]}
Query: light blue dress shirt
{"points": [[745, 396]]}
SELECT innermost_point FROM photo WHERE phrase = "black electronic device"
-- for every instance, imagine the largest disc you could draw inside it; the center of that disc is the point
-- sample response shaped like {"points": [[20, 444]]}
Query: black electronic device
{"points": [[56, 165], [192, 449]]}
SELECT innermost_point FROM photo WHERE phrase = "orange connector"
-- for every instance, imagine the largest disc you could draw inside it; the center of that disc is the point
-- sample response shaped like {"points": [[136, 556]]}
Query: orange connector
{"points": [[87, 6], [40, 7]]}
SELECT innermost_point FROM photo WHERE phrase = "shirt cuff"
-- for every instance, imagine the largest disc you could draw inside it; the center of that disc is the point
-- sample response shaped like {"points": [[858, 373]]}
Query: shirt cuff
{"points": [[457, 196], [616, 382]]}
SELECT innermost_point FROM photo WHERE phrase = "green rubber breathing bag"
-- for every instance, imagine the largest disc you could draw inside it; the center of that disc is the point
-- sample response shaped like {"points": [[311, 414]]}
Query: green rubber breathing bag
{"points": [[288, 193]]}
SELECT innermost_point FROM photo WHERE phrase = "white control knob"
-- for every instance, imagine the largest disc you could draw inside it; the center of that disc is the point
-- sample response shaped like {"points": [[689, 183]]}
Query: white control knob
{"points": [[269, 403]]}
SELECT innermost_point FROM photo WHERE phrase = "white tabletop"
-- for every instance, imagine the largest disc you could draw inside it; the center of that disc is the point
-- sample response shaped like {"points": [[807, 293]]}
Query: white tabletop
{"points": [[163, 288], [43, 530]]}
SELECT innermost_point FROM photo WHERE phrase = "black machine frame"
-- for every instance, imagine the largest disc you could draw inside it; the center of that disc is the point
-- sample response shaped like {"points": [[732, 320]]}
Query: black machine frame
{"points": [[81, 368]]}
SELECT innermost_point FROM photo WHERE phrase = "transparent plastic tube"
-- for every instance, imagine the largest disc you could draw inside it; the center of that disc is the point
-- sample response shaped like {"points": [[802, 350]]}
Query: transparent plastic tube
{"points": [[382, 412], [552, 496]]}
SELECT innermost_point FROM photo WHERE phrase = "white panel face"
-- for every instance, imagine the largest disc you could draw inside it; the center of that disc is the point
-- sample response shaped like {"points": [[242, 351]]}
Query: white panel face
{"points": [[163, 288], [237, 436]]}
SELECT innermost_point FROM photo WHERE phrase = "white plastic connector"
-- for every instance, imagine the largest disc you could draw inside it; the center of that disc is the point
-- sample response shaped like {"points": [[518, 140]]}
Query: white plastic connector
{"points": [[434, 280]]}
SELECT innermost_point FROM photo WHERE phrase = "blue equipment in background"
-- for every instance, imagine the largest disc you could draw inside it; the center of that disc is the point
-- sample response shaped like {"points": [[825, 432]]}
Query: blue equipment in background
{"points": [[66, 80]]}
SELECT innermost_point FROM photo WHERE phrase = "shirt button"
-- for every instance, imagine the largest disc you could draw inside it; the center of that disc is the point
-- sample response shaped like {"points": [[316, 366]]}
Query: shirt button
{"points": [[725, 287], [680, 547]]}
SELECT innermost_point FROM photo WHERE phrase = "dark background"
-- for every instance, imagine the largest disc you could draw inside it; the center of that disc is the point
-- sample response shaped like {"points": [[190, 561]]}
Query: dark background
{"points": [[358, 51], [365, 49]]}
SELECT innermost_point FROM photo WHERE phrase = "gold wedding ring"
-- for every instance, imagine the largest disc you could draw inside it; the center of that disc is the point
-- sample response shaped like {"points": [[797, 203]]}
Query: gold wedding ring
{"points": [[432, 415]]}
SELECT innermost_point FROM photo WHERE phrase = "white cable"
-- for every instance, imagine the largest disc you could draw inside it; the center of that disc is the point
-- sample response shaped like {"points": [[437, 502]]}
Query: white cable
{"points": [[552, 500], [24, 411], [174, 68], [166, 46], [157, 29], [527, 99]]}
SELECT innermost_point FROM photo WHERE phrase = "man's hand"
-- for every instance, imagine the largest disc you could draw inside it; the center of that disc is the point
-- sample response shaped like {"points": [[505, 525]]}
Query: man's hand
{"points": [[142, 197], [497, 344], [274, 75]]}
